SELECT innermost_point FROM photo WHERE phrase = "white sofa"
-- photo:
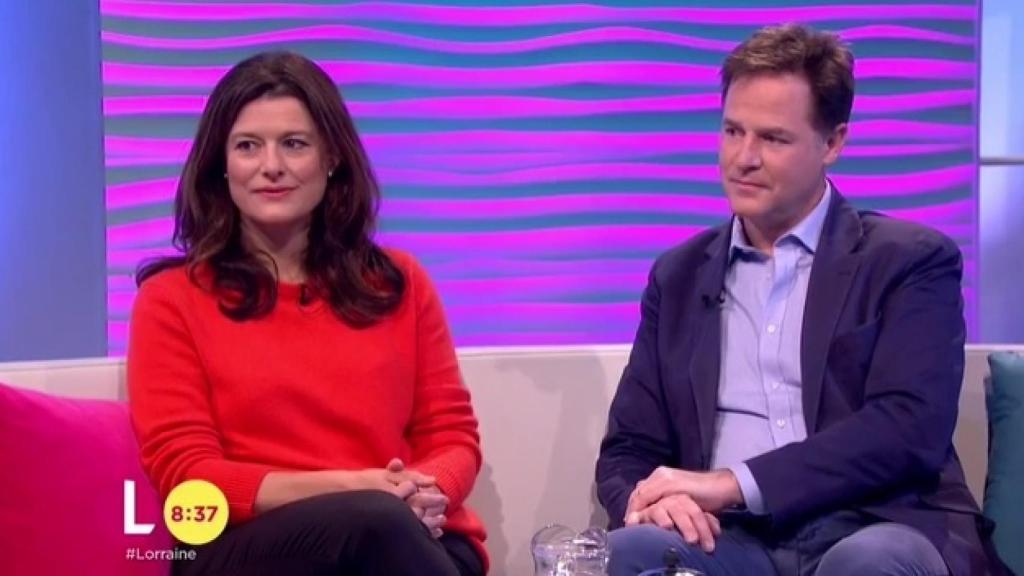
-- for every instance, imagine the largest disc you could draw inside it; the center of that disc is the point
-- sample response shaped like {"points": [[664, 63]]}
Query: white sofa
{"points": [[542, 414]]}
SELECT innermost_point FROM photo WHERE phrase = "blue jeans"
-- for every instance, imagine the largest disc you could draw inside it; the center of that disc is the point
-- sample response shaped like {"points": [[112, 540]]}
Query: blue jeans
{"points": [[878, 549]]}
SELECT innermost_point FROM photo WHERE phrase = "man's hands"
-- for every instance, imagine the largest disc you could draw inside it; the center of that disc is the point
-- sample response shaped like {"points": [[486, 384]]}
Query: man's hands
{"points": [[712, 491], [679, 512], [685, 501]]}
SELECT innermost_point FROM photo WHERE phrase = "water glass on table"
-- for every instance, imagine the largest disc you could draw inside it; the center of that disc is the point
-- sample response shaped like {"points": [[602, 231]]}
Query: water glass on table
{"points": [[560, 551]]}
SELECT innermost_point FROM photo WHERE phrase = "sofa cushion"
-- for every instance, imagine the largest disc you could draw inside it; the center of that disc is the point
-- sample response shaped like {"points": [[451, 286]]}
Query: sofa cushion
{"points": [[63, 463], [1005, 403]]}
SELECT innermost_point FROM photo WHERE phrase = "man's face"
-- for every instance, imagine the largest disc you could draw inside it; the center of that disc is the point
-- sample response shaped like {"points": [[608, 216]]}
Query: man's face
{"points": [[771, 156]]}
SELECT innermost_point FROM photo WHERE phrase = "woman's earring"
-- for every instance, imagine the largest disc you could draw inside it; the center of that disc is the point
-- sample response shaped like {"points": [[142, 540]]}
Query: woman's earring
{"points": [[330, 173]]}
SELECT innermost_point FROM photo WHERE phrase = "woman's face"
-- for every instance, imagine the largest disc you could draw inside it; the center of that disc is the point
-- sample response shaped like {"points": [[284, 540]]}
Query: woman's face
{"points": [[277, 169]]}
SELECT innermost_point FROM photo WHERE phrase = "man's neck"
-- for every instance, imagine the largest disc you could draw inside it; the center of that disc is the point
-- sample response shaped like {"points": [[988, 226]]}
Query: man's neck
{"points": [[763, 235]]}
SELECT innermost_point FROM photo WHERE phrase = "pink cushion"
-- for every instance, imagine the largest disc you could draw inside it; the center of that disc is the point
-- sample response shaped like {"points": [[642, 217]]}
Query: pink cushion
{"points": [[63, 463]]}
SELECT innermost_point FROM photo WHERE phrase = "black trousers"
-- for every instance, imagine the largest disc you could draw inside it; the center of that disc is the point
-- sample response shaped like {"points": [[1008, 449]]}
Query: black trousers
{"points": [[358, 533]]}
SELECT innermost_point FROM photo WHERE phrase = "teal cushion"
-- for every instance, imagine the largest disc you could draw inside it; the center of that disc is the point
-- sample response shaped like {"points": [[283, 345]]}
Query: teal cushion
{"points": [[1004, 487]]}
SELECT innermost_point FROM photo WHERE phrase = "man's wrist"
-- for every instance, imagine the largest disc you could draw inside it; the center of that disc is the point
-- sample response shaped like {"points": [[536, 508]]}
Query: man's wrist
{"points": [[750, 492], [731, 492]]}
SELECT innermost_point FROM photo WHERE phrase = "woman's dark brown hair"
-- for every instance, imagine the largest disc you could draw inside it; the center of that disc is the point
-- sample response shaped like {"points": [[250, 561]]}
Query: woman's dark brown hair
{"points": [[343, 264]]}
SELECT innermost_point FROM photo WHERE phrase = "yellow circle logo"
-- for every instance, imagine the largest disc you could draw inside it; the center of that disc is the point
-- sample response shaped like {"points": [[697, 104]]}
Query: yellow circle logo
{"points": [[196, 512]]}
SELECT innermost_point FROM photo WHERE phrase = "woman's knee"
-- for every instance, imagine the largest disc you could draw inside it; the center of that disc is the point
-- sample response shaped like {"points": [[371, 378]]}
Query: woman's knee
{"points": [[371, 511]]}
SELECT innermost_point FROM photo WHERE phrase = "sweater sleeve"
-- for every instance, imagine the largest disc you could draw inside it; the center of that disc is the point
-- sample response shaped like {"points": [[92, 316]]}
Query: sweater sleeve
{"points": [[443, 432], [169, 398]]}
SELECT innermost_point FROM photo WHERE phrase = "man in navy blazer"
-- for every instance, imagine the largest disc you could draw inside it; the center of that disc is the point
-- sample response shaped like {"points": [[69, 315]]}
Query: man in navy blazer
{"points": [[790, 399]]}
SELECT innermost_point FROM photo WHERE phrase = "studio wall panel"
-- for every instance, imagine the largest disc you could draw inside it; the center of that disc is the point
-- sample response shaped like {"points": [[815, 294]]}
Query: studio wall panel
{"points": [[537, 156]]}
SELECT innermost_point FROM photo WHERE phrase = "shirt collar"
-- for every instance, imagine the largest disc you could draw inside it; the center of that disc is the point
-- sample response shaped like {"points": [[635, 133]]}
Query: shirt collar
{"points": [[806, 233]]}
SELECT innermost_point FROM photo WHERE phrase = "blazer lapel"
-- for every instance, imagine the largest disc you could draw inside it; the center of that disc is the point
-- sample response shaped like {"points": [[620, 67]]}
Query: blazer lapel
{"points": [[835, 265], [706, 359]]}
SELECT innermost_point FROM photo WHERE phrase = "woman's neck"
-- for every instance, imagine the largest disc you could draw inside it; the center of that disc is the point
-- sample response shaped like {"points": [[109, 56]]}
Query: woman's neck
{"points": [[284, 249]]}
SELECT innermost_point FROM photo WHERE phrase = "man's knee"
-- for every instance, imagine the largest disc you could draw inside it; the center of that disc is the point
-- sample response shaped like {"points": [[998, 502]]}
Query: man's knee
{"points": [[638, 548], [883, 549]]}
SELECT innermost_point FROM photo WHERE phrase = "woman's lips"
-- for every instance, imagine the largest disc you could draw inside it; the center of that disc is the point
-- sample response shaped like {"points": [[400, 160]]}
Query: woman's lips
{"points": [[274, 192]]}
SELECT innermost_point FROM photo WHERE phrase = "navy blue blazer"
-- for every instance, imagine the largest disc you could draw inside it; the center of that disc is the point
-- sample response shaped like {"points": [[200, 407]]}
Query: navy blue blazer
{"points": [[882, 360]]}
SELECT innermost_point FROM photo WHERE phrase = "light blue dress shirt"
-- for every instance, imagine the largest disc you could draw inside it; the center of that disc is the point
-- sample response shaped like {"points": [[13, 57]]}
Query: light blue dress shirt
{"points": [[760, 407]]}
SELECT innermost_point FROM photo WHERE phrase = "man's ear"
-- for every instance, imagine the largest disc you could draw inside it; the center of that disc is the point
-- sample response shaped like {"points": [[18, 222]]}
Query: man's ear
{"points": [[834, 143]]}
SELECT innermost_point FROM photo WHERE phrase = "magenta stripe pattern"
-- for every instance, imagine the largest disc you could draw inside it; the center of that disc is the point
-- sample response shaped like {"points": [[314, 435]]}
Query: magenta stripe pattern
{"points": [[538, 155]]}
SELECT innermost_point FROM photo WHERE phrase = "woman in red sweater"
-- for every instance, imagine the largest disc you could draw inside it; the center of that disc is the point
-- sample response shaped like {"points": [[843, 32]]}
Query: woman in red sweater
{"points": [[291, 361]]}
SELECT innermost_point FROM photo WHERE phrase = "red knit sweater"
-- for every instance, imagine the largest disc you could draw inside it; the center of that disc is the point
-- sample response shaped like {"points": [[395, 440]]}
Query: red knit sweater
{"points": [[228, 402]]}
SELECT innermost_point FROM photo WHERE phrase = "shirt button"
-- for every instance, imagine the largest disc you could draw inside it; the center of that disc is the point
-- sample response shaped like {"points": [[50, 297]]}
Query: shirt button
{"points": [[771, 328], [775, 385], [780, 423]]}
